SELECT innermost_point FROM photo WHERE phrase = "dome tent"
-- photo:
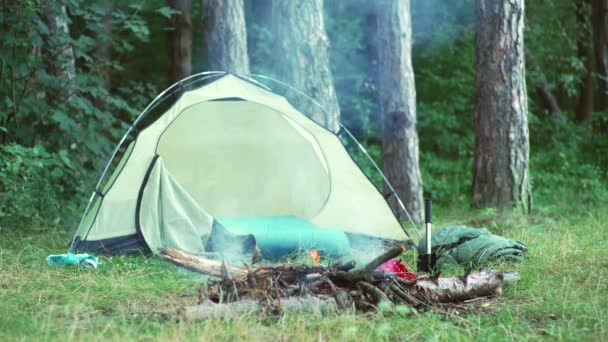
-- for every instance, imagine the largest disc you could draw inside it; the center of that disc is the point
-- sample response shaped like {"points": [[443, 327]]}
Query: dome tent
{"points": [[229, 149]]}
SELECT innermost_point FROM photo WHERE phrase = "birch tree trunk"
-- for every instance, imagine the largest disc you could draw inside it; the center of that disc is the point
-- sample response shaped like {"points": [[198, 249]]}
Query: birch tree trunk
{"points": [[179, 40], [302, 48], [500, 170], [103, 53], [397, 95], [600, 13], [57, 51], [225, 35]]}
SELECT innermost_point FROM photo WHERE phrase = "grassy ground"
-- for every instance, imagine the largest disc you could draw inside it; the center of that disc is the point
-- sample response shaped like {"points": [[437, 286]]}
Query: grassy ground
{"points": [[563, 294]]}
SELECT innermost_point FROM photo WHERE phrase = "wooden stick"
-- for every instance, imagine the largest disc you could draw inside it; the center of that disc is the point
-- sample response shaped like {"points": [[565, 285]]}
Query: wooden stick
{"points": [[379, 296], [199, 264], [282, 280], [404, 295], [384, 257]]}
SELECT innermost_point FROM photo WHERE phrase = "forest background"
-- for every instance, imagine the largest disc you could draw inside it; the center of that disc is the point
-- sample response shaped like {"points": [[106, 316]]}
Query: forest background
{"points": [[54, 144]]}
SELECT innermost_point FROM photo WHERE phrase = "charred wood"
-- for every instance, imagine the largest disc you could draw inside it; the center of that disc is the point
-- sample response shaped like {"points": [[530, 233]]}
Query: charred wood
{"points": [[277, 288]]}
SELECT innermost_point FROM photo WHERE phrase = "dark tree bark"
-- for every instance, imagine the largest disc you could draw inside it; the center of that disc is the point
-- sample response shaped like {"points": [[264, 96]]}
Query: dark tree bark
{"points": [[103, 52], [547, 98], [500, 170], [57, 51], [397, 95], [600, 23], [302, 48], [179, 40], [225, 35], [584, 109]]}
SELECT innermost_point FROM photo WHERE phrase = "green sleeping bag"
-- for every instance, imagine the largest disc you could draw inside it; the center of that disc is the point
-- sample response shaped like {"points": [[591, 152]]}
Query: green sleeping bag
{"points": [[472, 246]]}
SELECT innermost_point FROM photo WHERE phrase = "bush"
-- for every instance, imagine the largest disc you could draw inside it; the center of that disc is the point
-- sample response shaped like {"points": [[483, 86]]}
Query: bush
{"points": [[565, 162], [36, 186]]}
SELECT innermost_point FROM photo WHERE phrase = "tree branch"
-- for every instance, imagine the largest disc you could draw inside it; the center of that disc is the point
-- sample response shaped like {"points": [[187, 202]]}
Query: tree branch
{"points": [[13, 96], [384, 257]]}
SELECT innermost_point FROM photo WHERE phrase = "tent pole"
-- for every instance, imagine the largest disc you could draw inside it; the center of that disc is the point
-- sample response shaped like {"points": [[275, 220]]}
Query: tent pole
{"points": [[140, 117], [390, 186]]}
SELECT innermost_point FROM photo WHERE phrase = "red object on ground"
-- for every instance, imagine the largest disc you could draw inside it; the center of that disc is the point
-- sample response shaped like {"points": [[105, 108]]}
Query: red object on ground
{"points": [[396, 267]]}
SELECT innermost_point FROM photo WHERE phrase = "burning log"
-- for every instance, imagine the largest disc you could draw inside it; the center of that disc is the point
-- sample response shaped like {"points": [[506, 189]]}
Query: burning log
{"points": [[295, 287]]}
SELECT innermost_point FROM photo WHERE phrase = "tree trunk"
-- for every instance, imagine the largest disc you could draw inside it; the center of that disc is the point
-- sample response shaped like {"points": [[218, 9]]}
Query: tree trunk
{"points": [[500, 170], [303, 50], [584, 109], [600, 14], [397, 95], [547, 98], [58, 53], [103, 52], [225, 35], [369, 31], [179, 40]]}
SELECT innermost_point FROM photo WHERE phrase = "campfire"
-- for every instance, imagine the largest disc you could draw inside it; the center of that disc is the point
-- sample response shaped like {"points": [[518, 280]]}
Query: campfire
{"points": [[296, 287], [315, 256]]}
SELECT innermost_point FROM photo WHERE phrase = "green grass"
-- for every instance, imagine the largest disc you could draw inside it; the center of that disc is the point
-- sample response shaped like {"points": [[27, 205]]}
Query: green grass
{"points": [[563, 294]]}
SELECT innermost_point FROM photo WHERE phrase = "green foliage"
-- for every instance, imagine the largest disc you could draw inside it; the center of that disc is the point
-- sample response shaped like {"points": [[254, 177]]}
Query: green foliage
{"points": [[36, 184], [445, 87], [52, 83], [569, 163], [55, 98], [551, 35]]}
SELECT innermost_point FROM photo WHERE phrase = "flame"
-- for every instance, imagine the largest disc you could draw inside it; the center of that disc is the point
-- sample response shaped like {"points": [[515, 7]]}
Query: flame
{"points": [[316, 257]]}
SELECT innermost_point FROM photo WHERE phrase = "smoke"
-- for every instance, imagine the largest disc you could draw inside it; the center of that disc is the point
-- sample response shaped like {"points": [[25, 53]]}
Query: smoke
{"points": [[365, 248], [351, 26], [230, 247], [440, 21]]}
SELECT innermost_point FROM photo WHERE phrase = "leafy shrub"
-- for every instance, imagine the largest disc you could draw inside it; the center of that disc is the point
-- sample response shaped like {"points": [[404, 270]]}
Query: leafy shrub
{"points": [[565, 161], [445, 87], [36, 185]]}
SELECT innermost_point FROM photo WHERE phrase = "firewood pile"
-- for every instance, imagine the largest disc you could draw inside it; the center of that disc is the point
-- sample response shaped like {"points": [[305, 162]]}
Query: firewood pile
{"points": [[272, 289]]}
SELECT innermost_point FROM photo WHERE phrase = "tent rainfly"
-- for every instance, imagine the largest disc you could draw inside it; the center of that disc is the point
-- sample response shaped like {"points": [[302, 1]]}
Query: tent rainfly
{"points": [[229, 150]]}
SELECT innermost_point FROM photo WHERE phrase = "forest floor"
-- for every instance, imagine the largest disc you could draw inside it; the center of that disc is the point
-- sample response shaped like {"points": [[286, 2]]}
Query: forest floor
{"points": [[563, 294]]}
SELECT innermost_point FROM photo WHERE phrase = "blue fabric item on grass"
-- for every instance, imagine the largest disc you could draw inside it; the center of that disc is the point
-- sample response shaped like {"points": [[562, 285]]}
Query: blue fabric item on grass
{"points": [[85, 260], [277, 236]]}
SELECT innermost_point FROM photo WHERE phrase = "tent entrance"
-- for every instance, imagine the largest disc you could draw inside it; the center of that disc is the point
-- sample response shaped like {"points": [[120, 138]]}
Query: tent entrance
{"points": [[239, 158]]}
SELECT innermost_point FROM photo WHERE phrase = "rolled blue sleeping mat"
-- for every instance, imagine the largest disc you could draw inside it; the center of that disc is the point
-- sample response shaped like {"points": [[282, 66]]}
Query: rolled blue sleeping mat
{"points": [[278, 236]]}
